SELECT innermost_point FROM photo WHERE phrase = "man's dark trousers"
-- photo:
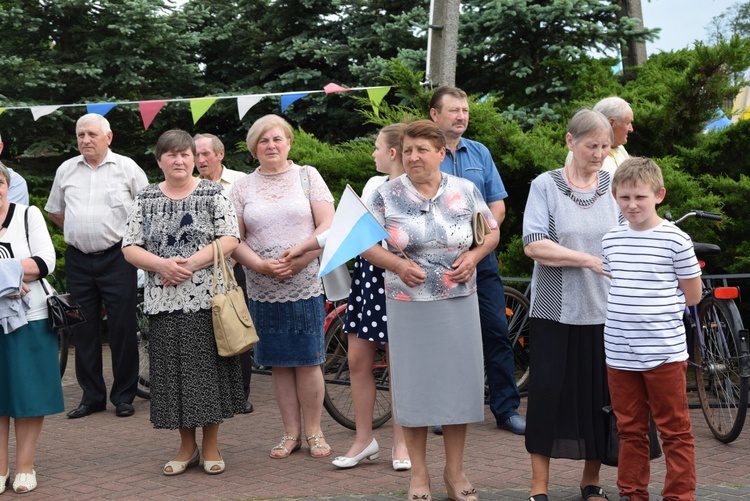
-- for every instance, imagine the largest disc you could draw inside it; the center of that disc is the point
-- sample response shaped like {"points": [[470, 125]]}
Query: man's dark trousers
{"points": [[93, 279], [498, 352]]}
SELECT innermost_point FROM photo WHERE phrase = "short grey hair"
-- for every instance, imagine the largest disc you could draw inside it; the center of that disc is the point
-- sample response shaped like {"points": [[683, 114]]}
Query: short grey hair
{"points": [[586, 122], [613, 107], [94, 117], [216, 145]]}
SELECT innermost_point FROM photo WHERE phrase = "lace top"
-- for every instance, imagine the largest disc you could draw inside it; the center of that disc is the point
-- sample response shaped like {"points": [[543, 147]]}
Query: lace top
{"points": [[277, 216], [170, 228]]}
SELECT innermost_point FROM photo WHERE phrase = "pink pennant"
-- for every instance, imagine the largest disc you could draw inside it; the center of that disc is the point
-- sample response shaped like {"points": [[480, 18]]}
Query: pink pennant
{"points": [[332, 87], [149, 110]]}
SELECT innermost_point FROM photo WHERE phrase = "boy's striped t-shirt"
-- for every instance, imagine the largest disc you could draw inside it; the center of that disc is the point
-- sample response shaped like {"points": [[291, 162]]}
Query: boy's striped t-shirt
{"points": [[645, 306]]}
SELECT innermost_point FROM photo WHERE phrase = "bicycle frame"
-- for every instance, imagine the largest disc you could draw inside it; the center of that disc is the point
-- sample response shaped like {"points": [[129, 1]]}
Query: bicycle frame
{"points": [[717, 349]]}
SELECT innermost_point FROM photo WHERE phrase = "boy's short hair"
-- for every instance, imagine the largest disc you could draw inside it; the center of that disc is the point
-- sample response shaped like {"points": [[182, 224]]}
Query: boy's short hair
{"points": [[638, 169]]}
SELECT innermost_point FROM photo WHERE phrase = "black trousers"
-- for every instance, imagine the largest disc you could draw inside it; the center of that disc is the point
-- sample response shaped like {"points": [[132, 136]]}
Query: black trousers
{"points": [[96, 279], [246, 359]]}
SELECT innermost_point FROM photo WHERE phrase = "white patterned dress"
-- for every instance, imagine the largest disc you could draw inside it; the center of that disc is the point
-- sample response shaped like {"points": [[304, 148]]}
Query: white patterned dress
{"points": [[191, 385]]}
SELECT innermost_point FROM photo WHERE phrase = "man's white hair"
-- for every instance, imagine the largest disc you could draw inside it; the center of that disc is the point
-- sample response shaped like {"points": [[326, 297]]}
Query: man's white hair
{"points": [[94, 117]]}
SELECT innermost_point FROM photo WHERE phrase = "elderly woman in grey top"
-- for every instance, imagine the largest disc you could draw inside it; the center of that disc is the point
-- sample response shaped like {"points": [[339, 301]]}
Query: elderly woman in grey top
{"points": [[567, 213]]}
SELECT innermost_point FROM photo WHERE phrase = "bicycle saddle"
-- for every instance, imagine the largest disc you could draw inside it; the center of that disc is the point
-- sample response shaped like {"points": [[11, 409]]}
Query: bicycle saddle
{"points": [[702, 250]]}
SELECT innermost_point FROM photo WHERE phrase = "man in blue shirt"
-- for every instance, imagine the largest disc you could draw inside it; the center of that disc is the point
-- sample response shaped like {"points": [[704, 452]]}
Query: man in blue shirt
{"points": [[18, 191], [449, 109]]}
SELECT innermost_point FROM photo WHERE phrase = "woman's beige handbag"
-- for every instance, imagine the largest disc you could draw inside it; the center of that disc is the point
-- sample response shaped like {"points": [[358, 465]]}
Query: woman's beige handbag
{"points": [[480, 229], [233, 327]]}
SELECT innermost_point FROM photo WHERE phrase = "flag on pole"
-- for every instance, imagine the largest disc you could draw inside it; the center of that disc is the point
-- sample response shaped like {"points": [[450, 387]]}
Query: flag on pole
{"points": [[353, 231]]}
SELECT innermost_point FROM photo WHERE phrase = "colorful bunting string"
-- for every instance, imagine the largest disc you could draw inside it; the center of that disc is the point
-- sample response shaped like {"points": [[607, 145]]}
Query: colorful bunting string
{"points": [[200, 105]]}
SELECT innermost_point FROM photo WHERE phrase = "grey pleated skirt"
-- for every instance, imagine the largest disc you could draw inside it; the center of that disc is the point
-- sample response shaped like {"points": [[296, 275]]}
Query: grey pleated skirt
{"points": [[437, 367]]}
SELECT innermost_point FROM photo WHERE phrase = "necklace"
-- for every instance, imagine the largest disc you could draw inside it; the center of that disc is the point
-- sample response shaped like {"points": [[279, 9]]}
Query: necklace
{"points": [[585, 204], [570, 181]]}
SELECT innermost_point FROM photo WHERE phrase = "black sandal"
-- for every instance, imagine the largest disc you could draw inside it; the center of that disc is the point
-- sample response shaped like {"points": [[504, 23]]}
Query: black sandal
{"points": [[592, 491], [539, 497]]}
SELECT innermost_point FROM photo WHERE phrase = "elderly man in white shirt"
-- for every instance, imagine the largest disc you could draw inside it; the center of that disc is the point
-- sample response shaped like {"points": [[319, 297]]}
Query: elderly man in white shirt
{"points": [[209, 157], [89, 200]]}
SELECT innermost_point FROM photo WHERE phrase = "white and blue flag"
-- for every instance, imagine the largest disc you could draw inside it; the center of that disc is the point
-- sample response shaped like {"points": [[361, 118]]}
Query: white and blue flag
{"points": [[353, 230]]}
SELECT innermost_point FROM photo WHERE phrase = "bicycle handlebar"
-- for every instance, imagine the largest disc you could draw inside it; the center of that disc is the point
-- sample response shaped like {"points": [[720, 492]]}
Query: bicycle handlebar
{"points": [[700, 214]]}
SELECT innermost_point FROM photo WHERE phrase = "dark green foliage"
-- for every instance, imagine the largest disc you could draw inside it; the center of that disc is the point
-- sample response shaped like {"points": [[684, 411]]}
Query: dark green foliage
{"points": [[531, 51], [526, 63], [676, 93], [349, 163]]}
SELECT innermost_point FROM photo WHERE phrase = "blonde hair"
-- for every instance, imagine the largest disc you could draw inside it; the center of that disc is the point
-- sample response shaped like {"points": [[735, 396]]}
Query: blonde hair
{"points": [[638, 170], [263, 125], [392, 135]]}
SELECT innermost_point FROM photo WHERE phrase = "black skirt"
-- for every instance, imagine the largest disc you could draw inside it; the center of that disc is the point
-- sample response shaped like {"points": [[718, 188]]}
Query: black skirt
{"points": [[191, 385], [567, 390]]}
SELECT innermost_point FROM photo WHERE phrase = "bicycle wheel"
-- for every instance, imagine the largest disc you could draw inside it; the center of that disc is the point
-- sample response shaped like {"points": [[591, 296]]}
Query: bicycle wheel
{"points": [[517, 312], [63, 342], [722, 385], [143, 389], [338, 397]]}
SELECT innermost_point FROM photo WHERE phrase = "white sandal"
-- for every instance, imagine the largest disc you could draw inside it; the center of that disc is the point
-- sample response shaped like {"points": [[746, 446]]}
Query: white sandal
{"points": [[4, 481], [179, 467], [208, 466], [24, 482]]}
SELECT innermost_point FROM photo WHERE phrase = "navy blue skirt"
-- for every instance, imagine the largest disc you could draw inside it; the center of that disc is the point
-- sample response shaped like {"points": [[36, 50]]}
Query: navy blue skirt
{"points": [[291, 333], [365, 309]]}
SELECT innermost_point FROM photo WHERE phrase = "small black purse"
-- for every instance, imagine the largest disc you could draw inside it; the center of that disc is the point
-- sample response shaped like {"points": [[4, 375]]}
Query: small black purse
{"points": [[62, 310], [612, 444]]}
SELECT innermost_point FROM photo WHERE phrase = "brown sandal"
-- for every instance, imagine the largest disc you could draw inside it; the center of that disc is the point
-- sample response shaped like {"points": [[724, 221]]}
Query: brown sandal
{"points": [[285, 453], [325, 449]]}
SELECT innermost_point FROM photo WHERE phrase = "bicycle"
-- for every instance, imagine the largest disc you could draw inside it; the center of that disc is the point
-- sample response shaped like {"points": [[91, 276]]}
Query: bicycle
{"points": [[517, 308], [718, 349], [338, 398]]}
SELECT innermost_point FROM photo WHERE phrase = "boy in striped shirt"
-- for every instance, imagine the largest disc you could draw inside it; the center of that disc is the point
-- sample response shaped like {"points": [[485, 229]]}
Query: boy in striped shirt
{"points": [[655, 274]]}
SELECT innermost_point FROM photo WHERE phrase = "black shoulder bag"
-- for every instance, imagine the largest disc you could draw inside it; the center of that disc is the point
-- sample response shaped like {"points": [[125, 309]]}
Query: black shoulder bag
{"points": [[62, 310]]}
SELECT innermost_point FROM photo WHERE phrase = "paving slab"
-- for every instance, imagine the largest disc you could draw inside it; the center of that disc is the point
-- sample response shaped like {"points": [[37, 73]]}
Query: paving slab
{"points": [[105, 457]]}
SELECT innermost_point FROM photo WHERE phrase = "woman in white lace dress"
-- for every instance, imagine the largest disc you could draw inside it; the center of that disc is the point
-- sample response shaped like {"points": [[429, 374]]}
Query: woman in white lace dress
{"points": [[169, 233], [278, 206]]}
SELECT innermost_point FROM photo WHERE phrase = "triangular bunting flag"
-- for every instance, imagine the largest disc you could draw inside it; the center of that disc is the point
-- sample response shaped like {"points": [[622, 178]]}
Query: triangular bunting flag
{"points": [[376, 95], [244, 103], [100, 108], [40, 111], [200, 106], [149, 110], [288, 99], [332, 87]]}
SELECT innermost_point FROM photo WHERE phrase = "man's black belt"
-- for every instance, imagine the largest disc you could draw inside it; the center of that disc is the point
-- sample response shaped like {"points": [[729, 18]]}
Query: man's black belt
{"points": [[118, 245]]}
